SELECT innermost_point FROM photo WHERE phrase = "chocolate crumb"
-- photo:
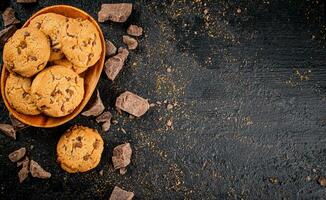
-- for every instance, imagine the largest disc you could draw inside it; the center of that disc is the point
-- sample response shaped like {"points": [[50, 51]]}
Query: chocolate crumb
{"points": [[17, 155], [8, 130], [111, 49], [123, 171], [118, 12], [37, 171], [135, 30], [96, 106], [121, 156], [132, 103], [6, 33], [8, 17], [101, 172], [120, 194], [169, 123], [130, 42], [322, 181], [169, 107]]}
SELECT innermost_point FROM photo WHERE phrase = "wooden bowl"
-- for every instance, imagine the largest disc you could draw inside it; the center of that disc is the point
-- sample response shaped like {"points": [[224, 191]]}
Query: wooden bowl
{"points": [[91, 76]]}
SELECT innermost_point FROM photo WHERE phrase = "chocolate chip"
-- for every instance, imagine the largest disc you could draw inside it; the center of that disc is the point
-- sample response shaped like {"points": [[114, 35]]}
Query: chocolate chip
{"points": [[33, 58], [26, 34], [22, 45], [37, 171], [70, 92], [96, 144], [86, 157], [8, 130], [17, 155], [118, 12], [79, 138], [78, 145]]}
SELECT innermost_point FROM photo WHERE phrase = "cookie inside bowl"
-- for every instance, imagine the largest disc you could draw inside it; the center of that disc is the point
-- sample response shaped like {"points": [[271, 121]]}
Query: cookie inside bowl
{"points": [[89, 69]]}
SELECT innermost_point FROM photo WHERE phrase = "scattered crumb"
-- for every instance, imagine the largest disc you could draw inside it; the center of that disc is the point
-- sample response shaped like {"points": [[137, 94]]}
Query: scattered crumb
{"points": [[169, 107], [169, 123]]}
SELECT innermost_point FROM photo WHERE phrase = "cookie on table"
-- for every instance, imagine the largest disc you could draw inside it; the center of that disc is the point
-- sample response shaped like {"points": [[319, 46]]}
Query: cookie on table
{"points": [[79, 149], [57, 90], [82, 43], [26, 52], [70, 65], [18, 93], [52, 25]]}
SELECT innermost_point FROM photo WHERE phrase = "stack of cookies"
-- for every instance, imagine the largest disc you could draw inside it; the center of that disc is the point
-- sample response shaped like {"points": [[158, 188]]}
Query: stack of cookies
{"points": [[46, 61]]}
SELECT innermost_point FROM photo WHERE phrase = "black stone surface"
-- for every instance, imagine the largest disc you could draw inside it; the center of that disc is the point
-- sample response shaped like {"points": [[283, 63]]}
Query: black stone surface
{"points": [[249, 80]]}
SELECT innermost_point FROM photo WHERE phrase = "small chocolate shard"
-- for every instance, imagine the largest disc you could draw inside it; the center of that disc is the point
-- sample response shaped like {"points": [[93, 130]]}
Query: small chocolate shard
{"points": [[105, 118], [135, 30], [17, 155], [130, 42], [114, 64], [6, 33], [37, 171], [24, 162], [8, 130], [118, 12], [120, 194], [26, 1], [132, 104], [8, 17], [322, 181], [121, 156], [96, 106], [123, 171], [18, 125], [23, 172], [111, 49]]}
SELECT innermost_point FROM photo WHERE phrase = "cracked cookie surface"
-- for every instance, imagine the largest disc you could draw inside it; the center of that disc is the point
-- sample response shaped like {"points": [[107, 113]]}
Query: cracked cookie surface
{"points": [[66, 63], [26, 52], [82, 43], [79, 149], [52, 25], [57, 91], [18, 93]]}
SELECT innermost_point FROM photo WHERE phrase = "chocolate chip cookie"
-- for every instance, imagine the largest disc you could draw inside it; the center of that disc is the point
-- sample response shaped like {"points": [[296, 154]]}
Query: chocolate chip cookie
{"points": [[18, 93], [79, 149], [26, 52], [57, 90]]}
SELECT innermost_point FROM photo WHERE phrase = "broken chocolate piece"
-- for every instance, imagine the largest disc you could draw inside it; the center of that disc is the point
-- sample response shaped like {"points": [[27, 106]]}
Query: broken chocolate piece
{"points": [[135, 30], [121, 156], [23, 172], [123, 170], [18, 125], [132, 104], [17, 155], [120, 194], [37, 171], [26, 1], [114, 64], [8, 130], [96, 106], [322, 181], [130, 42], [118, 12], [111, 49], [8, 17], [6, 33], [106, 118]]}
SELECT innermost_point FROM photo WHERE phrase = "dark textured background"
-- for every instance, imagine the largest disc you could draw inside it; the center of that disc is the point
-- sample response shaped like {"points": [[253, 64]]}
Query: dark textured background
{"points": [[250, 119]]}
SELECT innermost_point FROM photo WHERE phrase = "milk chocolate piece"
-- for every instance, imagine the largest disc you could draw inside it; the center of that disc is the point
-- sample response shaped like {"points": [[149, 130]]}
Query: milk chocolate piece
{"points": [[130, 42], [135, 30], [121, 156], [8, 17], [18, 125], [120, 194], [132, 104], [17, 155], [111, 49], [105, 118], [114, 64], [322, 181], [37, 171], [26, 1], [96, 107], [6, 33], [23, 172], [8, 130], [118, 12]]}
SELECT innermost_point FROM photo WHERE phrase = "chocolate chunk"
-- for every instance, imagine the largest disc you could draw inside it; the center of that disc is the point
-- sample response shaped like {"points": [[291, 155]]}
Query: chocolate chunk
{"points": [[18, 125], [130, 42], [135, 30], [8, 17], [6, 33], [322, 181], [118, 12], [23, 172], [121, 156], [114, 64], [37, 171], [132, 104], [111, 49], [26, 1], [8, 130], [120, 194], [96, 106], [17, 155], [106, 118]]}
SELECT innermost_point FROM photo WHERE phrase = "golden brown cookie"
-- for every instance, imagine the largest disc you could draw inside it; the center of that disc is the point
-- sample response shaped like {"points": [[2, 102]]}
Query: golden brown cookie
{"points": [[70, 65], [18, 93], [79, 149], [82, 44], [52, 25], [58, 91], [26, 52]]}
